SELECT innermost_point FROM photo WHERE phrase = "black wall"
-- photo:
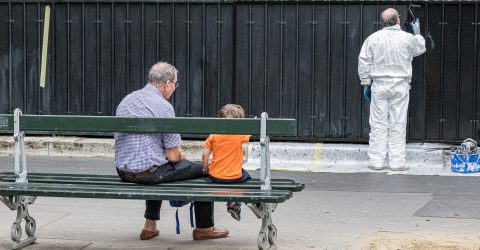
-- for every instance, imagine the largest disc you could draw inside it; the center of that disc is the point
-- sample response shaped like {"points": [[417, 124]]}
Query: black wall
{"points": [[290, 59]]}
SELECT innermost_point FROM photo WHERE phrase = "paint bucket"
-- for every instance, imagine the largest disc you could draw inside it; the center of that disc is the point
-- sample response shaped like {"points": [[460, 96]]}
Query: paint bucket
{"points": [[465, 163]]}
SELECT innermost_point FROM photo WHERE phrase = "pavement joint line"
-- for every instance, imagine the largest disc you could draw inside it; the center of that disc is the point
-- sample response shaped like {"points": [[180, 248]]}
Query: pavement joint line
{"points": [[56, 220], [86, 246]]}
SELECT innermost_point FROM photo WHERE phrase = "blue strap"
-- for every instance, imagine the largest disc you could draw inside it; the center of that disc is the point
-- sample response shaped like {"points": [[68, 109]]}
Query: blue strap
{"points": [[191, 215], [178, 222]]}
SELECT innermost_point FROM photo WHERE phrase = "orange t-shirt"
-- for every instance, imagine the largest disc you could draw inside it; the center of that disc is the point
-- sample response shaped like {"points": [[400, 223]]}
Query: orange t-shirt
{"points": [[227, 155]]}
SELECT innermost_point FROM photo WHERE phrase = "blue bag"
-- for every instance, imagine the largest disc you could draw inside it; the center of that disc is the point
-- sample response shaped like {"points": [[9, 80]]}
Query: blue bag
{"points": [[178, 204]]}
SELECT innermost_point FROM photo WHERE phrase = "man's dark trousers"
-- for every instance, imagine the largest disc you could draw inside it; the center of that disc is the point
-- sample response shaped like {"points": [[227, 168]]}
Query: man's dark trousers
{"points": [[170, 172]]}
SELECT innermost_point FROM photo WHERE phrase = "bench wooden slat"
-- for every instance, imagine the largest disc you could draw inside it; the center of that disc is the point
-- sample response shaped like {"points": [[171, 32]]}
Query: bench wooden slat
{"points": [[143, 192], [193, 125], [277, 184], [101, 177]]}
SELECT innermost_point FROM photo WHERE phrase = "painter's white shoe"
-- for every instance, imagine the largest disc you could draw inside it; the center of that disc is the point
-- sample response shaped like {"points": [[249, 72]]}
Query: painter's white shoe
{"points": [[375, 168], [402, 168]]}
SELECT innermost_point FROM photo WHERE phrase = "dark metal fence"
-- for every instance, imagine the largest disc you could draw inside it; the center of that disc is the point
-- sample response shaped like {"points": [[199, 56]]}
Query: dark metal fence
{"points": [[291, 59]]}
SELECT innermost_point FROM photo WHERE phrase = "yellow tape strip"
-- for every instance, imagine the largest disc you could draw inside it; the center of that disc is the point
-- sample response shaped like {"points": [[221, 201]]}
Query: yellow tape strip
{"points": [[46, 26]]}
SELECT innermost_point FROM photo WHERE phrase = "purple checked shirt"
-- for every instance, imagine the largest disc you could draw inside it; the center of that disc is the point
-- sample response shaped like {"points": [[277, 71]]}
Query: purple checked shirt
{"points": [[138, 152]]}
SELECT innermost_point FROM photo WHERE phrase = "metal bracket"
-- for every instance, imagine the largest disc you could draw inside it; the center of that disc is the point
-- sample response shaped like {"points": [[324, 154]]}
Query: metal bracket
{"points": [[20, 157], [265, 173], [267, 237]]}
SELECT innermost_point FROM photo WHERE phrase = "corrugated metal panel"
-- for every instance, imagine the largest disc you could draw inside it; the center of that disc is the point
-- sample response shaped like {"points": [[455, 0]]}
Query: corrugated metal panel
{"points": [[291, 59]]}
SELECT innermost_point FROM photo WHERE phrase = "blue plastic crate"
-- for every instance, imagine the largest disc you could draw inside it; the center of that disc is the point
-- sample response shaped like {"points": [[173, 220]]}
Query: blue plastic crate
{"points": [[462, 163]]}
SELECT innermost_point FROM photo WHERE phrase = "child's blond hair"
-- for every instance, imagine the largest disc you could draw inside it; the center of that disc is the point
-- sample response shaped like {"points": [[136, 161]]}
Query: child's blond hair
{"points": [[231, 111]]}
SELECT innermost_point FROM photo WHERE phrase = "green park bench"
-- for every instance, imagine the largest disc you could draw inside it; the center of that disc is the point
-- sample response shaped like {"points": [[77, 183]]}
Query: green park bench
{"points": [[18, 191]]}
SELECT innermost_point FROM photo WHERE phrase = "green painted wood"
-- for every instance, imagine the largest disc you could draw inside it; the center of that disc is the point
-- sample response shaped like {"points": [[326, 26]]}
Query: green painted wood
{"points": [[98, 186], [104, 177], [144, 192], [277, 184], [194, 125], [6, 122]]}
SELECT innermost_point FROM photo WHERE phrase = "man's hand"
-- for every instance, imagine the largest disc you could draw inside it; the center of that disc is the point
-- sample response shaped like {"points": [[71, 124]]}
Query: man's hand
{"points": [[367, 93], [174, 154], [415, 25]]}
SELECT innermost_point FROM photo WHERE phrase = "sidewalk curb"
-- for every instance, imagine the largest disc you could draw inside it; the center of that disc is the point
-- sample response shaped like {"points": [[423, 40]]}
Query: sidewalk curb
{"points": [[422, 158]]}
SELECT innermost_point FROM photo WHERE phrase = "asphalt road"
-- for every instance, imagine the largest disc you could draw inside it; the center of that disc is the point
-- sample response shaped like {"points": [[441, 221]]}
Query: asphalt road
{"points": [[335, 211]]}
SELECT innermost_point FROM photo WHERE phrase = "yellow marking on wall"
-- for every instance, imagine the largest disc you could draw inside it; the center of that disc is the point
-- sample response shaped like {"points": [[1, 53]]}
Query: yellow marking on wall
{"points": [[318, 158], [46, 26]]}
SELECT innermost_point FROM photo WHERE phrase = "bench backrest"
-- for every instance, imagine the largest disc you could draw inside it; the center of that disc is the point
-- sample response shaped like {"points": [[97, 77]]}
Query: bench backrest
{"points": [[194, 125], [264, 127]]}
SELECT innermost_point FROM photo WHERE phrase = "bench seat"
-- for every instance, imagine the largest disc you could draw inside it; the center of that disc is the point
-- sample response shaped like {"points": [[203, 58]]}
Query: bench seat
{"points": [[143, 192], [114, 180]]}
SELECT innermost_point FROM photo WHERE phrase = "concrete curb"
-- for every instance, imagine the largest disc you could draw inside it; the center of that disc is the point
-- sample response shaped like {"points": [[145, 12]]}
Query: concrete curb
{"points": [[422, 158], [60, 146]]}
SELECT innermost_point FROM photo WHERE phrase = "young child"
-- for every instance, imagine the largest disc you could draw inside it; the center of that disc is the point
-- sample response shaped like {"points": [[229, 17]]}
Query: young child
{"points": [[226, 165]]}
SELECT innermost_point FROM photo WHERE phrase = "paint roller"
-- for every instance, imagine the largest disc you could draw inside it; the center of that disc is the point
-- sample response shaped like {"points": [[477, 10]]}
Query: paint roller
{"points": [[407, 23]]}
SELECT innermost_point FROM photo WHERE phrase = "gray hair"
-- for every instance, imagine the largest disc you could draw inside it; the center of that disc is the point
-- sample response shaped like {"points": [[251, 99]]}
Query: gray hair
{"points": [[389, 17], [161, 72]]}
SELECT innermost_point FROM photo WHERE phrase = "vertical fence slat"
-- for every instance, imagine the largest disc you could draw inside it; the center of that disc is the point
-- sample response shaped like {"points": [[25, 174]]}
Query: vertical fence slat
{"points": [[31, 93], [195, 61], [211, 60], [466, 73], [257, 63], [476, 115], [76, 50], [289, 53], [321, 57], [90, 41], [135, 47], [433, 75], [450, 72], [241, 56], [305, 68], [227, 54], [273, 66], [353, 91]]}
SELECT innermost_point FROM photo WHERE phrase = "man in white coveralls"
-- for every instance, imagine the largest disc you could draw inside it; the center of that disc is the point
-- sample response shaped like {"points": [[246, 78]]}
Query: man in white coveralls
{"points": [[385, 63]]}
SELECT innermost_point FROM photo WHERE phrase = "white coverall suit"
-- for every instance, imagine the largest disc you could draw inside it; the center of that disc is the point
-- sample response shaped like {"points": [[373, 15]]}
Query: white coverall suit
{"points": [[386, 59]]}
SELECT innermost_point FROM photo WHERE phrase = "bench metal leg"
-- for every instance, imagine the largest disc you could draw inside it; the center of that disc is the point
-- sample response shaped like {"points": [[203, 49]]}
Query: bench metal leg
{"points": [[20, 203], [267, 237]]}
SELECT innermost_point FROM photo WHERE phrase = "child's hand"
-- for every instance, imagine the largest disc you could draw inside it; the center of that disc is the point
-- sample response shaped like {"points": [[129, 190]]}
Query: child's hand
{"points": [[205, 170]]}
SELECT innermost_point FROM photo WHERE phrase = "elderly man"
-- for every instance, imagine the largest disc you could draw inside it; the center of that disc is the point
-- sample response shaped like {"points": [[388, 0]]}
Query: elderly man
{"points": [[385, 62], [156, 158]]}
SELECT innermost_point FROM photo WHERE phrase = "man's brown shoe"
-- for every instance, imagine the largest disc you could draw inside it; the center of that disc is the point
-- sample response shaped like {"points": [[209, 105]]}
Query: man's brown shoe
{"points": [[146, 235], [209, 233]]}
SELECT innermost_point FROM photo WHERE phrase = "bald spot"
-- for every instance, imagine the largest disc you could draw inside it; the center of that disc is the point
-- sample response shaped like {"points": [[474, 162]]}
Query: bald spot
{"points": [[388, 14], [159, 66]]}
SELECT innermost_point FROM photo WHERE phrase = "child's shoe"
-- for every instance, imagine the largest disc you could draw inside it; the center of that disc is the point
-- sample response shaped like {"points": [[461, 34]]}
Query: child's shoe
{"points": [[234, 212]]}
